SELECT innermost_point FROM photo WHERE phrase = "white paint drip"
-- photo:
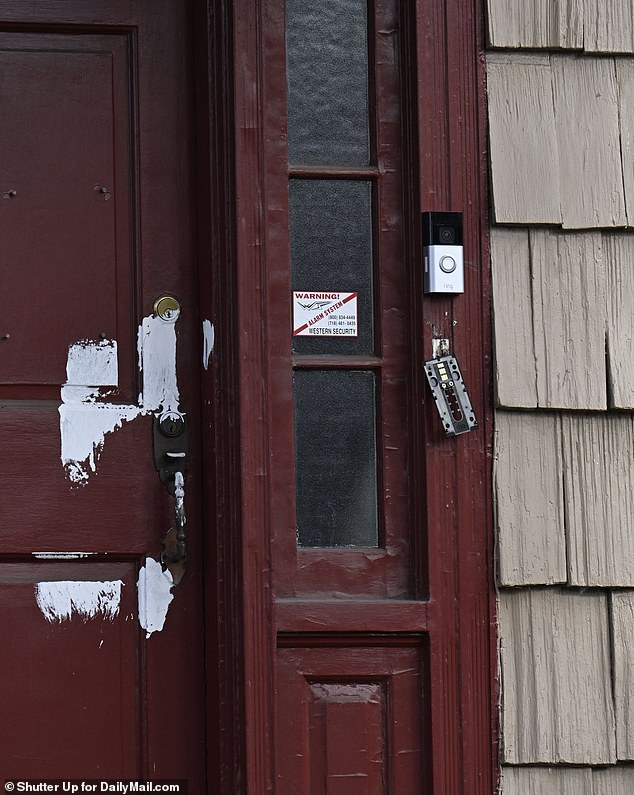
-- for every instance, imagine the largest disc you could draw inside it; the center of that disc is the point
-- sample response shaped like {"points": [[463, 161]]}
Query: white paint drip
{"points": [[155, 594], [61, 555], [58, 601], [85, 419], [209, 336]]}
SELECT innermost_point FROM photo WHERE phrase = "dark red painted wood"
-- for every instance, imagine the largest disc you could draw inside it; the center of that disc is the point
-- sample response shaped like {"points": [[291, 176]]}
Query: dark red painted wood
{"points": [[220, 429], [76, 89], [251, 245], [65, 722], [349, 718], [445, 538], [387, 570], [130, 706], [451, 154]]}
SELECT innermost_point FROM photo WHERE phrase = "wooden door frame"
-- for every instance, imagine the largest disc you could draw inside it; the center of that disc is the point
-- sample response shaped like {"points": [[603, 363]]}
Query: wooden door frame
{"points": [[239, 231], [220, 406]]}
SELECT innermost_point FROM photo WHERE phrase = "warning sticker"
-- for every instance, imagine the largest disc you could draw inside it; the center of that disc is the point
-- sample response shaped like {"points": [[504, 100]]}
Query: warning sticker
{"points": [[324, 314]]}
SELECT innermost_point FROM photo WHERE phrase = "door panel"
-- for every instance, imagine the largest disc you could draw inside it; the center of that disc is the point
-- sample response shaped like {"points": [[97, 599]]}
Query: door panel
{"points": [[97, 221], [350, 715], [78, 709], [65, 147]]}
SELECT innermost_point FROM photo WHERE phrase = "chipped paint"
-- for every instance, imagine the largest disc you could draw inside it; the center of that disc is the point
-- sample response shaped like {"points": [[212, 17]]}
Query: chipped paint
{"points": [[209, 336], [61, 555], [155, 595], [86, 419], [59, 601]]}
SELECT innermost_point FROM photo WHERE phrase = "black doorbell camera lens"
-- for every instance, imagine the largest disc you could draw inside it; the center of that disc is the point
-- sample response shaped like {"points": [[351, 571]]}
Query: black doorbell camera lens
{"points": [[447, 235]]}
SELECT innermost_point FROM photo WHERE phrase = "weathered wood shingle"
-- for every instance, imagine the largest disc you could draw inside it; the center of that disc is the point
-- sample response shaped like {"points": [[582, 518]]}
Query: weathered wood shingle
{"points": [[539, 23], [524, 154], [569, 319], [618, 248], [545, 781], [605, 26], [529, 499], [623, 653], [557, 694], [515, 376], [625, 80], [587, 122], [613, 781], [608, 26], [599, 499]]}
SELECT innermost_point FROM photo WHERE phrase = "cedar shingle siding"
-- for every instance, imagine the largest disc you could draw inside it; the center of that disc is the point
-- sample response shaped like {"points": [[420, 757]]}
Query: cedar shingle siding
{"points": [[561, 117]]}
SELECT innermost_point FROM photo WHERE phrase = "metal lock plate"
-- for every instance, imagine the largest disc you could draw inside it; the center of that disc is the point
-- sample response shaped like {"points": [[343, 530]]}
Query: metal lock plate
{"points": [[171, 446], [450, 395]]}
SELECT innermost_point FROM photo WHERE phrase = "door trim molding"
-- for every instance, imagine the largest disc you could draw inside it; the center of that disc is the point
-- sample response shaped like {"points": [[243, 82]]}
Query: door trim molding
{"points": [[220, 390]]}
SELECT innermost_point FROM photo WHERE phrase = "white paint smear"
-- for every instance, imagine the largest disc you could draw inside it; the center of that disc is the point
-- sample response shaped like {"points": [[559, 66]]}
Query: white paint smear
{"points": [[155, 594], [86, 419], [84, 424], [156, 344], [59, 601], [61, 555], [92, 363], [208, 342]]}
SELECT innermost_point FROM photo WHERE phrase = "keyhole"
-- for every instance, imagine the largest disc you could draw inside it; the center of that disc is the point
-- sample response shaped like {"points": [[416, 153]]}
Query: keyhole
{"points": [[172, 424]]}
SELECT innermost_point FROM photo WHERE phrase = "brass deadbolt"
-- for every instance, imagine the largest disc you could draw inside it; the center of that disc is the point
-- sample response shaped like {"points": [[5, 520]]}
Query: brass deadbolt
{"points": [[167, 308]]}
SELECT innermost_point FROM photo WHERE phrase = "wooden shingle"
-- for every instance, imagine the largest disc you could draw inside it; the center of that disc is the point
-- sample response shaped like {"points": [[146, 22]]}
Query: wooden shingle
{"points": [[540, 23], [515, 382], [557, 692], [618, 250], [625, 80], [569, 319], [529, 499], [524, 156], [613, 781], [587, 123], [599, 498], [623, 653], [608, 26], [545, 781]]}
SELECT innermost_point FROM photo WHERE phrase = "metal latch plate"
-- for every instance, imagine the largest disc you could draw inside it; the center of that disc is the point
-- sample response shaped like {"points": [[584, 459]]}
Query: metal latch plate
{"points": [[450, 395]]}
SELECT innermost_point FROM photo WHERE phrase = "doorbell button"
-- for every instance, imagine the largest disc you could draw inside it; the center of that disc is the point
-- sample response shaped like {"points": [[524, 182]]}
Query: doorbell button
{"points": [[447, 264]]}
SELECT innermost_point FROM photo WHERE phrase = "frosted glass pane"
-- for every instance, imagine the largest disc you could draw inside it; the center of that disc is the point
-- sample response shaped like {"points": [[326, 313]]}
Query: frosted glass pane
{"points": [[327, 78], [336, 460]]}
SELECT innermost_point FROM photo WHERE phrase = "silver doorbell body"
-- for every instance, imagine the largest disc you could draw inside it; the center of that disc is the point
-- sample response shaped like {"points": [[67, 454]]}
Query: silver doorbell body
{"points": [[442, 252]]}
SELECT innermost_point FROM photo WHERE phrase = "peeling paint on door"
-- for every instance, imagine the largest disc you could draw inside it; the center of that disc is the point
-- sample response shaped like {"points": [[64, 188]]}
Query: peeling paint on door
{"points": [[155, 595], [85, 419], [59, 601]]}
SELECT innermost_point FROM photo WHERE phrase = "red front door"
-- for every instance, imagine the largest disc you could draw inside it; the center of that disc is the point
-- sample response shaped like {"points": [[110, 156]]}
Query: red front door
{"points": [[101, 658]]}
